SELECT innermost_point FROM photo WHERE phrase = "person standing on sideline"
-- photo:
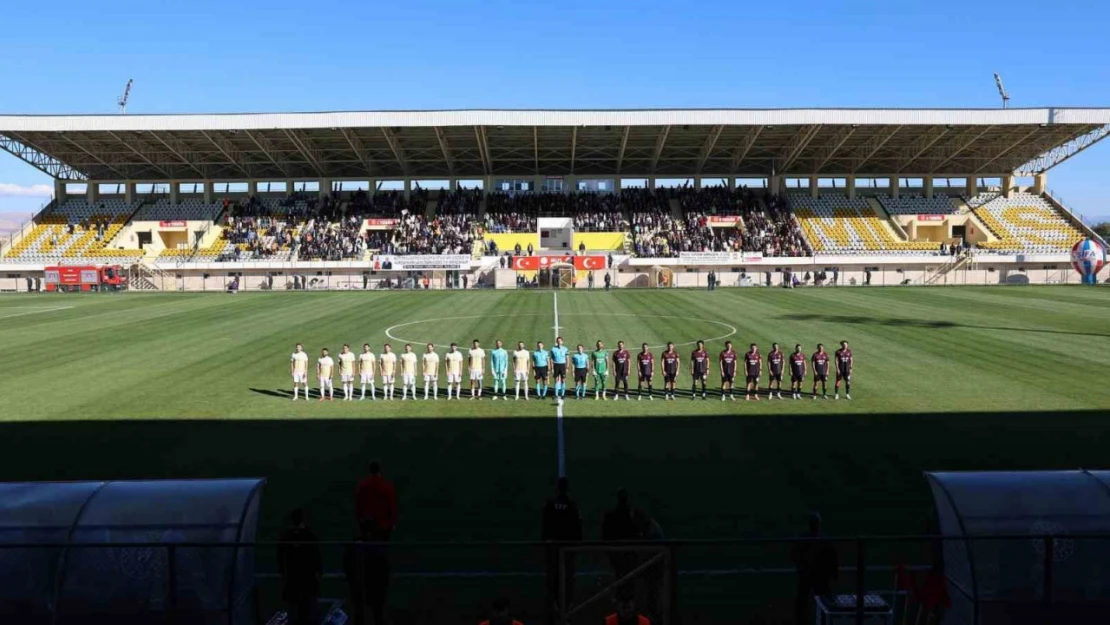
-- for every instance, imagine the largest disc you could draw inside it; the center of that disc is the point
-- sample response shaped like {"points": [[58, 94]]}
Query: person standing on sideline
{"points": [[376, 501], [501, 614], [366, 566], [300, 567], [608, 281], [626, 613], [816, 563], [562, 522], [590, 281]]}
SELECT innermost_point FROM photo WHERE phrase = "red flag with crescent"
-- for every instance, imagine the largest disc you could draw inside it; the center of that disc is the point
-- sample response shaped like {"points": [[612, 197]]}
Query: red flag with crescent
{"points": [[588, 263]]}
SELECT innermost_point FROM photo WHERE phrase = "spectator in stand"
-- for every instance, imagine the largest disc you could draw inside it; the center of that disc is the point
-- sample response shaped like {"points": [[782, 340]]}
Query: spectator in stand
{"points": [[817, 565], [300, 567], [366, 566], [624, 523], [626, 613], [562, 522], [376, 502]]}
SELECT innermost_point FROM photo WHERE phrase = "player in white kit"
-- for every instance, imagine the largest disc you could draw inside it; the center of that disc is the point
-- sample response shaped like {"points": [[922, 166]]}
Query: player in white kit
{"points": [[521, 357], [347, 372], [477, 369], [388, 363], [325, 367], [367, 365], [298, 368], [431, 371], [454, 362], [408, 372]]}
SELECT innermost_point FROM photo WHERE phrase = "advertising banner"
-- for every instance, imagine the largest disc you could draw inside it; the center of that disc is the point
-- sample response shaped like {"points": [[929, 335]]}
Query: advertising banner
{"points": [[723, 221], [930, 217], [719, 258], [172, 223], [581, 263], [381, 224], [423, 262]]}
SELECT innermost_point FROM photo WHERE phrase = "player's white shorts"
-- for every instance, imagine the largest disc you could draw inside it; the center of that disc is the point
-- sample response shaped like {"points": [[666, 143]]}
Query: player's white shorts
{"points": [[454, 378], [367, 378], [475, 375], [300, 378], [408, 378], [325, 382], [387, 379], [431, 379], [521, 376], [347, 378]]}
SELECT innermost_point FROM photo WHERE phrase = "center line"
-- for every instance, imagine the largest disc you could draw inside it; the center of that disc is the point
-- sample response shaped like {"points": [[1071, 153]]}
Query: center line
{"points": [[559, 408]]}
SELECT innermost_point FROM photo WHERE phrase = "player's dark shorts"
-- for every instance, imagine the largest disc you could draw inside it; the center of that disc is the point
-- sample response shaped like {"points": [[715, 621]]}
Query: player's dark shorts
{"points": [[560, 369], [620, 372], [776, 376], [728, 373], [843, 374], [753, 379], [820, 376], [540, 372], [796, 375], [580, 374], [646, 373], [700, 374], [669, 375]]}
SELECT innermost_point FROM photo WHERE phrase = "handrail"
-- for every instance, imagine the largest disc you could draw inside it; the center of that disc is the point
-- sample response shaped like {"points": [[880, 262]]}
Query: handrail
{"points": [[1076, 218]]}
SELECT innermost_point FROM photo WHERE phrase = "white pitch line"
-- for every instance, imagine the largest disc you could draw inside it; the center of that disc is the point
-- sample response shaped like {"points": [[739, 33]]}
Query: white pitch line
{"points": [[36, 312], [559, 407]]}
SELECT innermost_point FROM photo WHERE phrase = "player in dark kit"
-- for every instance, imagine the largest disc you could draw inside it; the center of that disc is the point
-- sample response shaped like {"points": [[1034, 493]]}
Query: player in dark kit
{"points": [[728, 360], [672, 362], [621, 362], [843, 371], [645, 361], [775, 361], [699, 367], [753, 368], [797, 371], [820, 360]]}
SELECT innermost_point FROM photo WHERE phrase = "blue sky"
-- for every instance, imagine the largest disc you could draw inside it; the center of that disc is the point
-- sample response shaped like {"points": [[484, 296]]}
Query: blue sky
{"points": [[206, 56]]}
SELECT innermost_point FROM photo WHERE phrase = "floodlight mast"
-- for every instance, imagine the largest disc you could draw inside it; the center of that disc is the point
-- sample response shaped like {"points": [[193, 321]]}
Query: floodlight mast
{"points": [[122, 100], [1002, 91]]}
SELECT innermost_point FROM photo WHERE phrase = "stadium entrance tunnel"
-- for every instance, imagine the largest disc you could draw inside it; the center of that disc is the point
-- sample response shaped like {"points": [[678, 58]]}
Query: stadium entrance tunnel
{"points": [[1058, 575], [128, 552]]}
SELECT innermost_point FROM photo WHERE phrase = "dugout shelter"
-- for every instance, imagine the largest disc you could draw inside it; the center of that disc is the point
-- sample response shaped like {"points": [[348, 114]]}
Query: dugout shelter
{"points": [[1024, 546], [125, 552]]}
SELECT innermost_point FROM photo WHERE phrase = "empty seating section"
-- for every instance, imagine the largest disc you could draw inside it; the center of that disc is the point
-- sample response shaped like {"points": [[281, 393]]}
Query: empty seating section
{"points": [[918, 205], [76, 231], [189, 209], [835, 224], [1024, 222]]}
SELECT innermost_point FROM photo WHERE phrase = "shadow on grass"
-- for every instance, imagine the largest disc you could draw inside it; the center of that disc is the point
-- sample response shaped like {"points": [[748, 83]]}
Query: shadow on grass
{"points": [[486, 479], [919, 323]]}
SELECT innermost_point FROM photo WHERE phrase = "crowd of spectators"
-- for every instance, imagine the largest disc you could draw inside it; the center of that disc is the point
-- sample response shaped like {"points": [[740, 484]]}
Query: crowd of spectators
{"points": [[322, 239], [258, 237], [416, 234]]}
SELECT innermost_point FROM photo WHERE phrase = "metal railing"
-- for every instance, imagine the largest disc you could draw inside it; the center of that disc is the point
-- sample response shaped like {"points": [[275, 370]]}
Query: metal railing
{"points": [[695, 580]]}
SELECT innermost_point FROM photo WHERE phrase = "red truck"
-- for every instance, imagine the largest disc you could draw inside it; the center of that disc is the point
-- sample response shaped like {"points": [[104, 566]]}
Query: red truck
{"points": [[72, 278]]}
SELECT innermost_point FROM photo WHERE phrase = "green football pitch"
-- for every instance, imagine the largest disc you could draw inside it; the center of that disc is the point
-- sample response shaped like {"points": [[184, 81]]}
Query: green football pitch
{"points": [[196, 385]]}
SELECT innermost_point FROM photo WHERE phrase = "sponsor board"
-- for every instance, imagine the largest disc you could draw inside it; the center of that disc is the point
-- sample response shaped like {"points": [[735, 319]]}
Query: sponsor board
{"points": [[719, 258], [723, 221], [381, 224], [931, 217], [581, 263], [422, 262], [172, 223]]}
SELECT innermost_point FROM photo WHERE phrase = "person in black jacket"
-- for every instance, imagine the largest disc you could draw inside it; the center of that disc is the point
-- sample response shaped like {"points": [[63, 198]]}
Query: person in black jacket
{"points": [[562, 522], [300, 567], [366, 565]]}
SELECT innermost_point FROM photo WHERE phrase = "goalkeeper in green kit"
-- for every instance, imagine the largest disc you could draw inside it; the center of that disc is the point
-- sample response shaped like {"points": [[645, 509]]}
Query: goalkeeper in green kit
{"points": [[599, 358]]}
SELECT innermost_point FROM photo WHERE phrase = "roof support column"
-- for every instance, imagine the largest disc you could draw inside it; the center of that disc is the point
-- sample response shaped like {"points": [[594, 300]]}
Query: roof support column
{"points": [[774, 184], [537, 184], [570, 184], [1007, 185], [408, 188], [252, 187], [814, 191], [1040, 183], [697, 182], [92, 192], [928, 187], [325, 187], [59, 191], [851, 182], [207, 191], [894, 181], [129, 191], [174, 186], [617, 184], [731, 182], [651, 183], [971, 187], [487, 186]]}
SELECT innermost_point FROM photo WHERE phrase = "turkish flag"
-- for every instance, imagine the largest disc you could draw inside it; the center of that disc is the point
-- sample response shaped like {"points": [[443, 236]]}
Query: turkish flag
{"points": [[588, 263], [526, 263]]}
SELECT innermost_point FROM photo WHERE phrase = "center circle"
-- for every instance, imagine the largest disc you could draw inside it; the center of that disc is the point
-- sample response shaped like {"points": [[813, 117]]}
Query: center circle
{"points": [[389, 332]]}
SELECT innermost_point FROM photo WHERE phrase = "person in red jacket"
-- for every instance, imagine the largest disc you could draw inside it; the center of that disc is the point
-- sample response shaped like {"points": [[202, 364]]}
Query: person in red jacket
{"points": [[626, 613], [501, 614], [376, 501]]}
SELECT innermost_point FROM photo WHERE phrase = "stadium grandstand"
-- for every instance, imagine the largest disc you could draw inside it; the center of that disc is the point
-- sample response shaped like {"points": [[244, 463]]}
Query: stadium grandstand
{"points": [[921, 193]]}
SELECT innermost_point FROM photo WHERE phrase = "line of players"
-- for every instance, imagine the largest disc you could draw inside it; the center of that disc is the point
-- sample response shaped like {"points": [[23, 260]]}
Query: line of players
{"points": [[545, 367]]}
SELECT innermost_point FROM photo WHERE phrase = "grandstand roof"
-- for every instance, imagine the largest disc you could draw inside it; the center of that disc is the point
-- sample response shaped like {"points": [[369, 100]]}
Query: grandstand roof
{"points": [[478, 143]]}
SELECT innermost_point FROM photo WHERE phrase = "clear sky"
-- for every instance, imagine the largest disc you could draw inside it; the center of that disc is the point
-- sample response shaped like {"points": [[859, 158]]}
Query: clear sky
{"points": [[285, 55]]}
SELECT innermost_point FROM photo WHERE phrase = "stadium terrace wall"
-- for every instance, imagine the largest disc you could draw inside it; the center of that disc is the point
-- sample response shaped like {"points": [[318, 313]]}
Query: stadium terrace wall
{"points": [[626, 273]]}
